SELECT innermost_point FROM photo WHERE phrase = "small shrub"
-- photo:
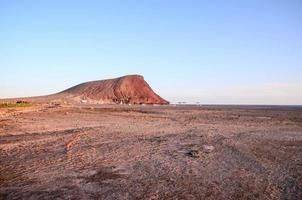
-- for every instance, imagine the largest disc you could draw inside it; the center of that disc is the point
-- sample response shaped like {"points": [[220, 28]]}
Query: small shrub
{"points": [[15, 105]]}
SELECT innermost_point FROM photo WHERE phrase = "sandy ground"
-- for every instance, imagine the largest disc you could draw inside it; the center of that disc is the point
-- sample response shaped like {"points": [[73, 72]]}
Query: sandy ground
{"points": [[151, 152]]}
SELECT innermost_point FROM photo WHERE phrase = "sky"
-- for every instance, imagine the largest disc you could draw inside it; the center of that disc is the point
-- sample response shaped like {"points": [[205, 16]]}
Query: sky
{"points": [[212, 52]]}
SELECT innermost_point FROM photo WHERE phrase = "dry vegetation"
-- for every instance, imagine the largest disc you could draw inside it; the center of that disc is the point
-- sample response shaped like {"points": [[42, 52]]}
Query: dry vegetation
{"points": [[149, 152], [15, 105]]}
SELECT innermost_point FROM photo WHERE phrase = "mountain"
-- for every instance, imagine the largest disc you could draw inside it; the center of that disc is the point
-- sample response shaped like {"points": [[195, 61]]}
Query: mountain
{"points": [[130, 89]]}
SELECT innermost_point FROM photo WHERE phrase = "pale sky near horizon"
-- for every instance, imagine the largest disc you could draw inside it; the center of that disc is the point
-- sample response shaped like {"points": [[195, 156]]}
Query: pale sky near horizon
{"points": [[212, 52]]}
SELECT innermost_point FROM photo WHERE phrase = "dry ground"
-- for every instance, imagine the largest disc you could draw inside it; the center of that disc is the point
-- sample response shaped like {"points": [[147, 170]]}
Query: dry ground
{"points": [[151, 152]]}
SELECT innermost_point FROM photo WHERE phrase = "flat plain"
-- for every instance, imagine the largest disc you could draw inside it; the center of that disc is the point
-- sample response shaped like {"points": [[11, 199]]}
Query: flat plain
{"points": [[53, 151]]}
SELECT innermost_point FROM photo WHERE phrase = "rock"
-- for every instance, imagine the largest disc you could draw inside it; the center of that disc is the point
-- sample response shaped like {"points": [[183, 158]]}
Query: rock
{"points": [[193, 153], [208, 148]]}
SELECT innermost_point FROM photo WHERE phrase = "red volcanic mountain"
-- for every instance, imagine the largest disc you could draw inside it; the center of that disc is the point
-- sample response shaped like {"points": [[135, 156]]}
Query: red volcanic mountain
{"points": [[131, 89]]}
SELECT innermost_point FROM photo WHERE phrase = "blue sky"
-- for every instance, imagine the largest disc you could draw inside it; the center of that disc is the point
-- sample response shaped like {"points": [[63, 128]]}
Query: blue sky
{"points": [[226, 52]]}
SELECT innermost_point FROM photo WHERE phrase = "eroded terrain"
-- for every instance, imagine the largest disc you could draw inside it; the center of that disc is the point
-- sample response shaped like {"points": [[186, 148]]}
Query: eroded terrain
{"points": [[151, 152]]}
